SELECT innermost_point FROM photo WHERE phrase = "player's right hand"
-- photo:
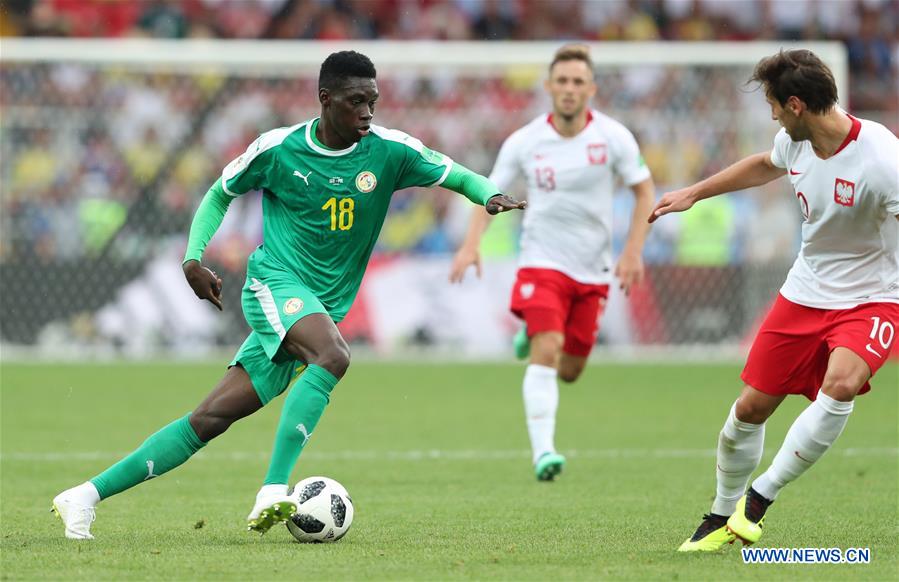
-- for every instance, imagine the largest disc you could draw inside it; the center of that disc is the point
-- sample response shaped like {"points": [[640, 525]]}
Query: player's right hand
{"points": [[503, 203], [463, 259], [676, 201], [205, 283]]}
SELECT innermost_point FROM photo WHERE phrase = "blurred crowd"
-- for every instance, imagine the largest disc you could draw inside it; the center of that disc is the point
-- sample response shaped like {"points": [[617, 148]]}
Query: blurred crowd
{"points": [[93, 155], [870, 28]]}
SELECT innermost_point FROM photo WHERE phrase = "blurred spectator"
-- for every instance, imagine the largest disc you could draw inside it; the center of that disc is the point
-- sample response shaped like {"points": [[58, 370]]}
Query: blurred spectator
{"points": [[162, 19], [496, 21]]}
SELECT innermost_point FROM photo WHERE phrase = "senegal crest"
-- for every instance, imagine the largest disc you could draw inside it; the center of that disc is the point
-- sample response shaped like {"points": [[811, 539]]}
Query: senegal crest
{"points": [[366, 182], [292, 305]]}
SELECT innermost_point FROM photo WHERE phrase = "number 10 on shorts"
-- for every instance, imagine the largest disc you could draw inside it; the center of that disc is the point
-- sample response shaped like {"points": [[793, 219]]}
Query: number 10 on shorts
{"points": [[882, 332]]}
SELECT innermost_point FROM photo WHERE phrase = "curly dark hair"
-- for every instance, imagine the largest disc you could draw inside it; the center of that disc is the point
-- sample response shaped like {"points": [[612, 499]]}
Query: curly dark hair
{"points": [[341, 65], [798, 73]]}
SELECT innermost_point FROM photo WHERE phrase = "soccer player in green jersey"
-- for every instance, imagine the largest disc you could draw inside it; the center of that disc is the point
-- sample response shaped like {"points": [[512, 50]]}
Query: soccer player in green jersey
{"points": [[326, 188]]}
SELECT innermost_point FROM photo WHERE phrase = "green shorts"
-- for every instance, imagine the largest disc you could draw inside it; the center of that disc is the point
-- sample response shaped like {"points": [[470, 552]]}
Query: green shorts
{"points": [[273, 300]]}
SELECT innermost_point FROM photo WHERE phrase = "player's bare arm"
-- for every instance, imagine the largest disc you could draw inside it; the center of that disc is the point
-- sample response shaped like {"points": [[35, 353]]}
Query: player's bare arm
{"points": [[476, 187], [469, 252], [630, 265], [749, 172]]}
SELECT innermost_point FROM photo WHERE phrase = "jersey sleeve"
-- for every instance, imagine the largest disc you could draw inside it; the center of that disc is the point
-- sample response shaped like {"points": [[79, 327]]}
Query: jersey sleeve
{"points": [[888, 160], [206, 221], [420, 166], [628, 162], [891, 191], [507, 165], [779, 151], [251, 169]]}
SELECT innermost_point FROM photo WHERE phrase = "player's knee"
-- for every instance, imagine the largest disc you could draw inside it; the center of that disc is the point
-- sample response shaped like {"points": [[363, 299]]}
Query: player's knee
{"points": [[569, 374], [842, 387], [208, 424], [751, 411], [335, 359]]}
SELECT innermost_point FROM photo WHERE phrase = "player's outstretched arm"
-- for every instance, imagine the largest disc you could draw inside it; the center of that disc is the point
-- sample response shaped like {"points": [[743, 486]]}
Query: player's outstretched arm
{"points": [[480, 190], [204, 282], [753, 171]]}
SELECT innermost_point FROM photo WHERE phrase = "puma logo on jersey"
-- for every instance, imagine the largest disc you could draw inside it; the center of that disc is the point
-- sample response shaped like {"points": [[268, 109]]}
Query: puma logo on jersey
{"points": [[844, 192], [301, 428], [305, 178], [150, 473]]}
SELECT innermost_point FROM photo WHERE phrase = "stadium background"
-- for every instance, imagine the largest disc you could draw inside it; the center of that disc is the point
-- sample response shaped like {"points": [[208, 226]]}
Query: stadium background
{"points": [[103, 164], [108, 144]]}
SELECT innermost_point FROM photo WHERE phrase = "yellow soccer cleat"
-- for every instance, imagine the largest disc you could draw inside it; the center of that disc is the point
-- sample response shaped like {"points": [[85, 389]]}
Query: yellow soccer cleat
{"points": [[711, 535], [270, 510], [746, 522]]}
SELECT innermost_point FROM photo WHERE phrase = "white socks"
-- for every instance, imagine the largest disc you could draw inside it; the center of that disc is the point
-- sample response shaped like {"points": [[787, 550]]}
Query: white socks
{"points": [[740, 447], [541, 399], [274, 489], [85, 494], [813, 432]]}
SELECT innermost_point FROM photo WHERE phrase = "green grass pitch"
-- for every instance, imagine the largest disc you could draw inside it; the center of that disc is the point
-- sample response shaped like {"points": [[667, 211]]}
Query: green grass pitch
{"points": [[435, 457]]}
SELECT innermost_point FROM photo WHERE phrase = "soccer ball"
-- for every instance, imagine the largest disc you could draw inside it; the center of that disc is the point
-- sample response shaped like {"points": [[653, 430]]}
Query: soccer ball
{"points": [[324, 510]]}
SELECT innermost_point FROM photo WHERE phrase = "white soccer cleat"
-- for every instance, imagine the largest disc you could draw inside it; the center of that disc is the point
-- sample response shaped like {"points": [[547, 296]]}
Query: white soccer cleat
{"points": [[270, 510], [76, 517]]}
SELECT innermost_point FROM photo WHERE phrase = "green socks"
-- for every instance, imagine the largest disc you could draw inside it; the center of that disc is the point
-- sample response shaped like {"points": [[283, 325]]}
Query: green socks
{"points": [[303, 407], [161, 452], [175, 443]]}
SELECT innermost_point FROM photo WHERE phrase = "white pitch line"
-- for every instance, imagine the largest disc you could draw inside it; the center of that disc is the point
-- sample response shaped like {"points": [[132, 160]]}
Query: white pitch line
{"points": [[428, 455]]}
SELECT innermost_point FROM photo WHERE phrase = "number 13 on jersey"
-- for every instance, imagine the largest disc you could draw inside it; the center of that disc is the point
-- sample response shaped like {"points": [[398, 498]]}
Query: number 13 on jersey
{"points": [[341, 210]]}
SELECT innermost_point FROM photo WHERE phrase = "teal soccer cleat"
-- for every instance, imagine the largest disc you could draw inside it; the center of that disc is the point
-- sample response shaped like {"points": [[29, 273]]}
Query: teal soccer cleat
{"points": [[548, 466], [521, 343]]}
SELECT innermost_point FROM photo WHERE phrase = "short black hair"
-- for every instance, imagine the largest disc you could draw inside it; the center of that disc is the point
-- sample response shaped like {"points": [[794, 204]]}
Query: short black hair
{"points": [[797, 73], [341, 65]]}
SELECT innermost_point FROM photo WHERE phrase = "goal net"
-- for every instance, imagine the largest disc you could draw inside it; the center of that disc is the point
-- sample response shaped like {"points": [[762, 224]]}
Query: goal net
{"points": [[108, 147]]}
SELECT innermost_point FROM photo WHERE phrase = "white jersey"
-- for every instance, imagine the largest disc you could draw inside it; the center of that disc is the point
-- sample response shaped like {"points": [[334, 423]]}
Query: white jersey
{"points": [[568, 222], [850, 236]]}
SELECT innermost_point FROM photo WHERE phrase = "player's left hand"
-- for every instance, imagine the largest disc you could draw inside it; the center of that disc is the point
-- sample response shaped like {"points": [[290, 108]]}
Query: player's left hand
{"points": [[204, 282], [502, 203], [676, 201], [629, 271]]}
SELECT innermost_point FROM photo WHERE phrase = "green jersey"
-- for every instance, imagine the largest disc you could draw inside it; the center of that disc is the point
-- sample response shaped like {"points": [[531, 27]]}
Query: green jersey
{"points": [[322, 208]]}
